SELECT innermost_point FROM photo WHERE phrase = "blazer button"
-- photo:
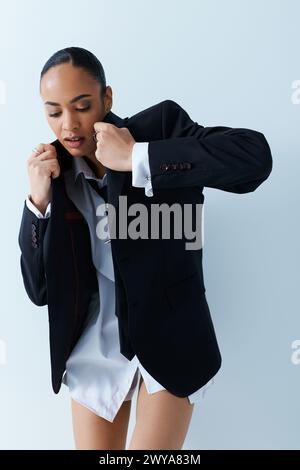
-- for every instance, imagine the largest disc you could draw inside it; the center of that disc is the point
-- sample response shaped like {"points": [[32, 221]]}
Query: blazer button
{"points": [[187, 165], [174, 166], [164, 166]]}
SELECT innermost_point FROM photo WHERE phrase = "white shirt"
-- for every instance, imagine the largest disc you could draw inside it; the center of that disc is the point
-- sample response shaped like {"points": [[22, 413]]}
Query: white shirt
{"points": [[97, 374]]}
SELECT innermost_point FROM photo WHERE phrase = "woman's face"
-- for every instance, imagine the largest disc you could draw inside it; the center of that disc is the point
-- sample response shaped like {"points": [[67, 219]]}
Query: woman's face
{"points": [[70, 114]]}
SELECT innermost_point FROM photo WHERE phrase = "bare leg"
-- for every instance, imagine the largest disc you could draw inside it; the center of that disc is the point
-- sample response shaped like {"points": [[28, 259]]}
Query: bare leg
{"points": [[162, 420], [92, 432]]}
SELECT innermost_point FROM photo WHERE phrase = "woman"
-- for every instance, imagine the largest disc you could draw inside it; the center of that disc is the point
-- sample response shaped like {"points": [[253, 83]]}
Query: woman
{"points": [[100, 378]]}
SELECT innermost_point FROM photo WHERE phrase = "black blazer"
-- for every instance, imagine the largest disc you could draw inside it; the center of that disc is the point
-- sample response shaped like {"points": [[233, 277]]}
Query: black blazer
{"points": [[161, 305]]}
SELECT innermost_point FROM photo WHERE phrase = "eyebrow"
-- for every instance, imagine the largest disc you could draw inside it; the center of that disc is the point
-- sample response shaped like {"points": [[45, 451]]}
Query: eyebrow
{"points": [[73, 100]]}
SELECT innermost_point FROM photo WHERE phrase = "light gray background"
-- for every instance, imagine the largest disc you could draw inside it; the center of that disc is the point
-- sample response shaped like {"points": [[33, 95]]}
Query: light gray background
{"points": [[226, 63]]}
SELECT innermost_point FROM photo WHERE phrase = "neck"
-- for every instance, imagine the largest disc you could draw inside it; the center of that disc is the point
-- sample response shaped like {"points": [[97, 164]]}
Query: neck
{"points": [[95, 165]]}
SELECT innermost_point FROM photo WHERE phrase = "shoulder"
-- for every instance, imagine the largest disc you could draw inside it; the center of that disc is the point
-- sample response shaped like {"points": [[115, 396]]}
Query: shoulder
{"points": [[160, 118], [166, 106]]}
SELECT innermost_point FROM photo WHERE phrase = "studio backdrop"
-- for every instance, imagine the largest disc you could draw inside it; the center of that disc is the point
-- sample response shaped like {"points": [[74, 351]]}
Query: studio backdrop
{"points": [[227, 63]]}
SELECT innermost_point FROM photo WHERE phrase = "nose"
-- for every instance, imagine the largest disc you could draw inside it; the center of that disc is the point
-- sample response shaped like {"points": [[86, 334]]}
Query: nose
{"points": [[69, 123]]}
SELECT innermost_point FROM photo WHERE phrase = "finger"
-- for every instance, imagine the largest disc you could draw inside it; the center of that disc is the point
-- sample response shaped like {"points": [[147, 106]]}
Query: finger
{"points": [[44, 166], [37, 150], [102, 126], [56, 172], [48, 155], [52, 166], [40, 148], [42, 156], [52, 161], [50, 147], [96, 136]]}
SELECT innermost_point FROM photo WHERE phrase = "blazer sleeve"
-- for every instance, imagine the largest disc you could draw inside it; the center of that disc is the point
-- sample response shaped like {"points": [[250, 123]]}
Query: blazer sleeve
{"points": [[31, 237], [237, 160]]}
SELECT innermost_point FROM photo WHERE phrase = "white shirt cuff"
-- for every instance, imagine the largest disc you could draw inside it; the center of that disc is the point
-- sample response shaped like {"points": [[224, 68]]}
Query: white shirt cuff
{"points": [[38, 213], [141, 175]]}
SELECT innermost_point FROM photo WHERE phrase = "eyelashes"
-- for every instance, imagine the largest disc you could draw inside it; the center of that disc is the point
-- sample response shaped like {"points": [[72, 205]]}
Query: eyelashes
{"points": [[81, 110]]}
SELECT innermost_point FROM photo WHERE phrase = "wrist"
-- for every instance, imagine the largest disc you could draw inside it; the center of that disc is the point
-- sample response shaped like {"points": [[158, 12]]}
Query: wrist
{"points": [[129, 158], [40, 203]]}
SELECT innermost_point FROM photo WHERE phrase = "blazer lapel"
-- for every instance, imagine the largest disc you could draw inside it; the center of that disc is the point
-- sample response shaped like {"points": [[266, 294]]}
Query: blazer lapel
{"points": [[115, 179]]}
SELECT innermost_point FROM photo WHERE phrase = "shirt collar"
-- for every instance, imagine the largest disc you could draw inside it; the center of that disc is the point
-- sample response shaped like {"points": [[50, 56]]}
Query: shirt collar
{"points": [[81, 167]]}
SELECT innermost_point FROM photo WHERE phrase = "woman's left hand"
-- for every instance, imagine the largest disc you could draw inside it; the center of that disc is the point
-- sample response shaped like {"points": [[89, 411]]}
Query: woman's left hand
{"points": [[114, 146]]}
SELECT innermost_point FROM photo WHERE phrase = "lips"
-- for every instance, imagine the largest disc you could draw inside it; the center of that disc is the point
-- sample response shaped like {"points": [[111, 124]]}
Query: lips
{"points": [[73, 137], [75, 141]]}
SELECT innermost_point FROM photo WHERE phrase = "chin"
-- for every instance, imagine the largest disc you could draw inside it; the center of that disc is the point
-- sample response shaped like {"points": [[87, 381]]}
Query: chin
{"points": [[75, 152]]}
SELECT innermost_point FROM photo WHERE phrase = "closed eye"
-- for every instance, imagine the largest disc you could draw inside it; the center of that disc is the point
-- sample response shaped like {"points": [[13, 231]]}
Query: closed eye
{"points": [[81, 110]]}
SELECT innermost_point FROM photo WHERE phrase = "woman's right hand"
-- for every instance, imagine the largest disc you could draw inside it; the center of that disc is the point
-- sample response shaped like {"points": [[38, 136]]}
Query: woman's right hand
{"points": [[41, 166]]}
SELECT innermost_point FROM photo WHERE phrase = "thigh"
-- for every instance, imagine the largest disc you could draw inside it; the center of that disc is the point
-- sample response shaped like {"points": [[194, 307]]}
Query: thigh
{"points": [[92, 432], [162, 420]]}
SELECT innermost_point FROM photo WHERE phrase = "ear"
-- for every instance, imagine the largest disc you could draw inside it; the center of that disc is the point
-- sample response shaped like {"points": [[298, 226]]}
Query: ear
{"points": [[108, 99]]}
